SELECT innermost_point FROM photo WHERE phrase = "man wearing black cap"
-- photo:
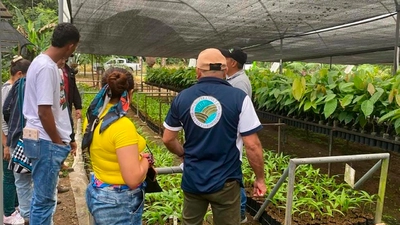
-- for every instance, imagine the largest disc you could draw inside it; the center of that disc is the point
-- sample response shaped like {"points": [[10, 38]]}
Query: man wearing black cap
{"points": [[217, 119], [235, 60]]}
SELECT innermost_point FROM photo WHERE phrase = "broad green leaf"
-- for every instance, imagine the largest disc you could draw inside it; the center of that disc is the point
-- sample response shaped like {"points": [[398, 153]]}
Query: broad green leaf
{"points": [[329, 97], [298, 88], [346, 100], [289, 101], [375, 97], [346, 87], [359, 83], [358, 98], [330, 107], [367, 107], [362, 120], [313, 96], [348, 118], [307, 105], [342, 116], [397, 124], [371, 89]]}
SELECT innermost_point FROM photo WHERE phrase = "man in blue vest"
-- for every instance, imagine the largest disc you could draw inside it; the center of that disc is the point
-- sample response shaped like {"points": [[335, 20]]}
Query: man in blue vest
{"points": [[217, 119]]}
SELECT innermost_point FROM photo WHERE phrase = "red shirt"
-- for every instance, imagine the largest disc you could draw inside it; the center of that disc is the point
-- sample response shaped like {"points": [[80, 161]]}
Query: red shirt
{"points": [[66, 83]]}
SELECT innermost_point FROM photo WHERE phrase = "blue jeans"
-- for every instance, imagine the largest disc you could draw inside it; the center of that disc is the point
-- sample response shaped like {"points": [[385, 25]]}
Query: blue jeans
{"points": [[23, 184], [114, 207], [46, 158], [243, 201]]}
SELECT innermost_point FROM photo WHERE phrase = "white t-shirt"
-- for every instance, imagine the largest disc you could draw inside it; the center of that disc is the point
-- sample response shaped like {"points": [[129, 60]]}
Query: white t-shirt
{"points": [[44, 86]]}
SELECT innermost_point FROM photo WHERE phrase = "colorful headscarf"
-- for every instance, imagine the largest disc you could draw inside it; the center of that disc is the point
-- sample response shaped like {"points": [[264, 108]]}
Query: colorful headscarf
{"points": [[97, 107]]}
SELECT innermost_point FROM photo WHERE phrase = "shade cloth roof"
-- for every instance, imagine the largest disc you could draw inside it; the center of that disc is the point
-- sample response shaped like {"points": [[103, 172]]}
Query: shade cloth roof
{"points": [[182, 28], [4, 12], [9, 37]]}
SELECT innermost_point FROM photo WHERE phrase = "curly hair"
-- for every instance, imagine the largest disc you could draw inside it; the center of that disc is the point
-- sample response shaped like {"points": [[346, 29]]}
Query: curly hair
{"points": [[63, 34]]}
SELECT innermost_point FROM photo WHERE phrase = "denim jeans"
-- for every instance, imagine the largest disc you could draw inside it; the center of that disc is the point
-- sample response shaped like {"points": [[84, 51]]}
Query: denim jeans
{"points": [[114, 207], [23, 184], [9, 192], [46, 158], [243, 201]]}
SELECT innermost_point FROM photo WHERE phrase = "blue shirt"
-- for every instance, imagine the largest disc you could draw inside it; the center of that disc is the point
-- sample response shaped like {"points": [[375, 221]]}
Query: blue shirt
{"points": [[214, 116]]}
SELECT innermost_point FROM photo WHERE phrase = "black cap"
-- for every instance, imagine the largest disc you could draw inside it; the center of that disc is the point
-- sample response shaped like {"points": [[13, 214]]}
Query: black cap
{"points": [[235, 53]]}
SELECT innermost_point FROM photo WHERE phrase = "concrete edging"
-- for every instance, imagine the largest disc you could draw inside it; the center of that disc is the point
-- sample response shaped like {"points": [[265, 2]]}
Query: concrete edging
{"points": [[79, 181]]}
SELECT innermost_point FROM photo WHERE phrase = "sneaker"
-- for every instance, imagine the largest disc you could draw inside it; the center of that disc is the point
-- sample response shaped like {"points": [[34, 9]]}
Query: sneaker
{"points": [[14, 219], [243, 218]]}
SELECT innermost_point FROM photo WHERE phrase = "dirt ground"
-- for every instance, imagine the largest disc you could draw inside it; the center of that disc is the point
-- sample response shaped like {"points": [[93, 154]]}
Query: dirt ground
{"points": [[65, 212]]}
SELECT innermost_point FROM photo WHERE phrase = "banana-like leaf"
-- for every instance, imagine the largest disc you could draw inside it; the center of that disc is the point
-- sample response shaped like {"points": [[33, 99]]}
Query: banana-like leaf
{"points": [[389, 115]]}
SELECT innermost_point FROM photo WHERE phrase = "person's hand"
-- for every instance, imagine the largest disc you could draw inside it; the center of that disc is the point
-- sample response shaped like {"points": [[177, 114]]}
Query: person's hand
{"points": [[6, 154], [78, 114], [74, 146], [149, 158], [259, 188]]}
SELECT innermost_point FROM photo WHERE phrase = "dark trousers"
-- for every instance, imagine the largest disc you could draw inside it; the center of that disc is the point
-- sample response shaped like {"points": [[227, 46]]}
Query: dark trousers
{"points": [[225, 206], [9, 190]]}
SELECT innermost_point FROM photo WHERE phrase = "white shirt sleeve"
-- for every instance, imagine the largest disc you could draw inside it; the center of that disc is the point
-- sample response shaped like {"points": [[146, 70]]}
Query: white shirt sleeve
{"points": [[248, 119]]}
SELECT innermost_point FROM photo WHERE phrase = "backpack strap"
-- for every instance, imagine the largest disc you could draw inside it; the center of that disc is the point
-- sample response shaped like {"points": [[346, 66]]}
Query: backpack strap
{"points": [[21, 88]]}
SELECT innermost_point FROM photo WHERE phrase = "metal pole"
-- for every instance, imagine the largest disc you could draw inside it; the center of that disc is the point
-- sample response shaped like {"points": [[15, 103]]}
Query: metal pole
{"points": [[330, 150], [159, 117], [396, 47], [368, 174], [272, 194], [137, 104], [341, 158], [169, 170], [1, 146], [281, 60], [279, 136], [60, 11], [381, 191], [290, 190], [141, 75]]}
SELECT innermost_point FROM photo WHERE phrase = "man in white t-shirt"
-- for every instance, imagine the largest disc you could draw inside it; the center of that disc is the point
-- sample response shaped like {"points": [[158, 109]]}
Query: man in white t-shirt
{"points": [[48, 129]]}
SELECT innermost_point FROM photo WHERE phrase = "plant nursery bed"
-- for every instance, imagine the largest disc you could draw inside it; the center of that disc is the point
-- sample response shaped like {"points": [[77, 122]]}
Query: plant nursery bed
{"points": [[275, 216]]}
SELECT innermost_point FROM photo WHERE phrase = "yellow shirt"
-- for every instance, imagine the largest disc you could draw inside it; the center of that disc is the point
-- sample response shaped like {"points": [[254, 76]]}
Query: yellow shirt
{"points": [[103, 148]]}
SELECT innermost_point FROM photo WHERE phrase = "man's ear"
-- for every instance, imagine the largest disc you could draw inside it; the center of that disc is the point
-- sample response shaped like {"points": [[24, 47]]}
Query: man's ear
{"points": [[198, 73]]}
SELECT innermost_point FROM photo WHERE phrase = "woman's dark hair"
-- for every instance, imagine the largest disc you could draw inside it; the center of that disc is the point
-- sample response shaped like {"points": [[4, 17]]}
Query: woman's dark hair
{"points": [[119, 80], [63, 34], [19, 64]]}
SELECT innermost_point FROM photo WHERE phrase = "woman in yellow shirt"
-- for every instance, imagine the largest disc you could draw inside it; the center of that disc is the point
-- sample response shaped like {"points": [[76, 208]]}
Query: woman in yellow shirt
{"points": [[115, 194]]}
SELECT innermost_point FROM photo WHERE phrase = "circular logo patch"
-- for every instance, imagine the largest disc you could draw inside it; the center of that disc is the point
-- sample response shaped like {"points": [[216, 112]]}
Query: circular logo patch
{"points": [[206, 111]]}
